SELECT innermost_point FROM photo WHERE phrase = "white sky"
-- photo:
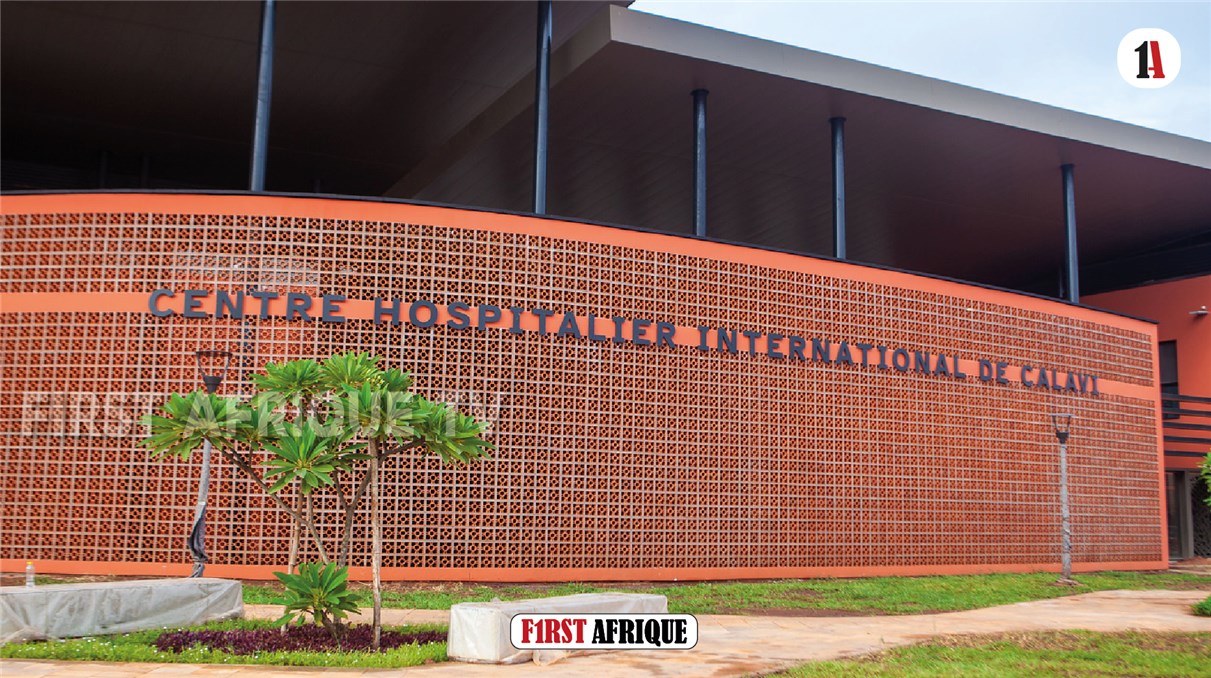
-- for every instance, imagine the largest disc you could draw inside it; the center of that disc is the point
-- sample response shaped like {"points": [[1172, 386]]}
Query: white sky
{"points": [[1058, 53]]}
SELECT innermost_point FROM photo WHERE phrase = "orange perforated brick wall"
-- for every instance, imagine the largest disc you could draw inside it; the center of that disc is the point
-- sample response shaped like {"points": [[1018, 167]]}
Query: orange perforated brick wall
{"points": [[614, 460]]}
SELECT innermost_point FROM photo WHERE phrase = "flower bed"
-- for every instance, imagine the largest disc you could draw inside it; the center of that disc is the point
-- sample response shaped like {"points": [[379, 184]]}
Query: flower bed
{"points": [[244, 641], [295, 639]]}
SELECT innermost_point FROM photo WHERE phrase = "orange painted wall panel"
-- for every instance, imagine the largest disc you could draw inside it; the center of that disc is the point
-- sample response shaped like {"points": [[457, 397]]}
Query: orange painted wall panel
{"points": [[614, 460], [1170, 304]]}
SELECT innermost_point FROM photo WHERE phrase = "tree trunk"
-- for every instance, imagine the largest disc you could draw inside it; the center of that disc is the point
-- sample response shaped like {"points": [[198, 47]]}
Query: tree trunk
{"points": [[292, 559], [315, 531], [295, 533], [350, 507], [296, 529], [333, 627], [242, 464], [376, 547]]}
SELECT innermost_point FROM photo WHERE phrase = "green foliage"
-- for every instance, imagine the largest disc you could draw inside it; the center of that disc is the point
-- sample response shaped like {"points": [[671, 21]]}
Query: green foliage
{"points": [[449, 433], [375, 414], [299, 454], [318, 591], [351, 370], [294, 382], [368, 403], [394, 380], [191, 419], [1205, 473], [1203, 607], [260, 425]]}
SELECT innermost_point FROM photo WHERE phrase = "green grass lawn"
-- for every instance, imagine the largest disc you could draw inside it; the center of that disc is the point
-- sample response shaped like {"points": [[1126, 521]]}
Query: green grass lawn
{"points": [[1032, 655], [138, 647], [876, 595], [1203, 607]]}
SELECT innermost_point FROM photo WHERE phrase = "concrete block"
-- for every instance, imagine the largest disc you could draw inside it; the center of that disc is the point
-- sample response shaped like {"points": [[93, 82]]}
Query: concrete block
{"points": [[105, 608], [479, 632]]}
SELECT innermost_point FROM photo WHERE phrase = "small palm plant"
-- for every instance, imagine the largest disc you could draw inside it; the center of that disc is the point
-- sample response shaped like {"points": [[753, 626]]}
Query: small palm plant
{"points": [[318, 591]]}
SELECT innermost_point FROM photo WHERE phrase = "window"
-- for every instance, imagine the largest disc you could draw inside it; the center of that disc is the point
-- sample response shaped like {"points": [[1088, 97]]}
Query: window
{"points": [[1168, 365]]}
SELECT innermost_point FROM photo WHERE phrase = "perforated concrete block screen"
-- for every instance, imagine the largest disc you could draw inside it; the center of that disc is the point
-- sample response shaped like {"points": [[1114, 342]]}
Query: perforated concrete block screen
{"points": [[682, 458]]}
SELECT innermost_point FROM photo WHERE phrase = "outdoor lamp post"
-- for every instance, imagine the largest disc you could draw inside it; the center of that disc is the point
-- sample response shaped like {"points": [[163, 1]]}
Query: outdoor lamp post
{"points": [[1063, 424], [213, 366]]}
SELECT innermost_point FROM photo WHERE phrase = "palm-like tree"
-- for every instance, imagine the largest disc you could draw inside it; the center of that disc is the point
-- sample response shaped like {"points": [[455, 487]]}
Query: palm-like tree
{"points": [[391, 422], [378, 416], [297, 383], [365, 408]]}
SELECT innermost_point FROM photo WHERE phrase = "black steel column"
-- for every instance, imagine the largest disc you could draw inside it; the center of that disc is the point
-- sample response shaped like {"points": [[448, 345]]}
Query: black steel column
{"points": [[542, 105], [838, 125], [103, 170], [700, 161], [1071, 262], [264, 92]]}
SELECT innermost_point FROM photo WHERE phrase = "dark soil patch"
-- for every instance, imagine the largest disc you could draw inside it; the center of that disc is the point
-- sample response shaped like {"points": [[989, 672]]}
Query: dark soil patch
{"points": [[296, 639], [420, 586], [622, 585], [802, 612], [802, 594]]}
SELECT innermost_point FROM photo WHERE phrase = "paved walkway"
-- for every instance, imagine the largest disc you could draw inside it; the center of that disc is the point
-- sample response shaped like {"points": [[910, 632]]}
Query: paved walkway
{"points": [[728, 645]]}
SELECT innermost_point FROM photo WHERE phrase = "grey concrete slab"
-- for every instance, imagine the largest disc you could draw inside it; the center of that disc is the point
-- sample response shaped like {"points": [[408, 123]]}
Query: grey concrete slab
{"points": [[100, 608]]}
